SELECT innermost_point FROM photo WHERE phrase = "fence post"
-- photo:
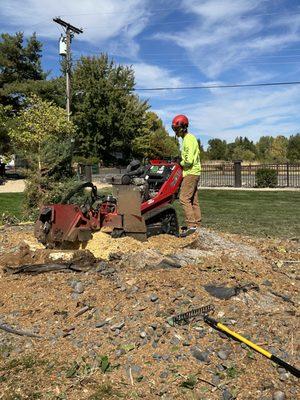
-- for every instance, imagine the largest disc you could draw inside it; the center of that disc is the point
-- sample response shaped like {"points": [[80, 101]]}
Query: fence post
{"points": [[88, 173], [287, 174], [238, 173]]}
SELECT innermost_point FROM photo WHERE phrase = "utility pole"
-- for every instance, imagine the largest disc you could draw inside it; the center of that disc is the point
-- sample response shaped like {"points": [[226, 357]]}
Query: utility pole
{"points": [[70, 30]]}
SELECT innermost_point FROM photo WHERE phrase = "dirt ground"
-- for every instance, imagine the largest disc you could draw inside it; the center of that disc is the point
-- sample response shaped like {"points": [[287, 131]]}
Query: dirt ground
{"points": [[102, 331]]}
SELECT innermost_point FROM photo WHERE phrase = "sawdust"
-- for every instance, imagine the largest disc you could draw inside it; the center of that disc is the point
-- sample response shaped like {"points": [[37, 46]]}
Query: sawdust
{"points": [[102, 245]]}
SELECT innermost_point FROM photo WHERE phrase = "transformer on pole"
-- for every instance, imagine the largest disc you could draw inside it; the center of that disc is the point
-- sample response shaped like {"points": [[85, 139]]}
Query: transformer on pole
{"points": [[65, 51]]}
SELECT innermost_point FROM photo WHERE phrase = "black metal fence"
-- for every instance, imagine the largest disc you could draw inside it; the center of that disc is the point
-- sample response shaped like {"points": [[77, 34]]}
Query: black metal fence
{"points": [[227, 174], [238, 175]]}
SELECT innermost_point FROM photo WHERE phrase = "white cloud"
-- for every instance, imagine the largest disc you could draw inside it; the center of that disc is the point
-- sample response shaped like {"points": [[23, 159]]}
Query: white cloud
{"points": [[229, 113], [226, 33], [219, 9], [101, 20], [149, 75]]}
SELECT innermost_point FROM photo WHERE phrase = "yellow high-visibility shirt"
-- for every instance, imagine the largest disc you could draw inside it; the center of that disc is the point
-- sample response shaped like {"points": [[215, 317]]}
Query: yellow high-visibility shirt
{"points": [[190, 156]]}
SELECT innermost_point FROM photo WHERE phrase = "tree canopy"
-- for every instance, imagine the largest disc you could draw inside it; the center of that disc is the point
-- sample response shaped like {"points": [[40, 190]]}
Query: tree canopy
{"points": [[18, 63], [108, 115], [155, 142], [39, 123]]}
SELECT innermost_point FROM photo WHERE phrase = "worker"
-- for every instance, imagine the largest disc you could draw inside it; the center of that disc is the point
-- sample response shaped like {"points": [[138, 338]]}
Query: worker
{"points": [[190, 162]]}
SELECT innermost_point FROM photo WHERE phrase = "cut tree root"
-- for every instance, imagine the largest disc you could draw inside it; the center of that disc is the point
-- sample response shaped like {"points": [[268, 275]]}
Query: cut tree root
{"points": [[9, 329], [41, 268]]}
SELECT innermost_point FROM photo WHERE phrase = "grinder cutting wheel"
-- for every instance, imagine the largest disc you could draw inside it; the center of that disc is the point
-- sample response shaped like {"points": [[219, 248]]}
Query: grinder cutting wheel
{"points": [[140, 206]]}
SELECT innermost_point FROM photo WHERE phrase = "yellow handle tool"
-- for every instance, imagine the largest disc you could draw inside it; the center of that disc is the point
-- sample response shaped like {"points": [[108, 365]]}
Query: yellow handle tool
{"points": [[215, 324]]}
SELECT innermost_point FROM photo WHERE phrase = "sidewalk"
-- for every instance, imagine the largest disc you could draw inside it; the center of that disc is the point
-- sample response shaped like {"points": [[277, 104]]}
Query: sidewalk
{"points": [[277, 189], [10, 186], [18, 186]]}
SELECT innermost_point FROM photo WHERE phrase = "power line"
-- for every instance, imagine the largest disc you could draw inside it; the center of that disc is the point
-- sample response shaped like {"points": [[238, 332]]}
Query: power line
{"points": [[219, 86], [166, 54], [158, 10], [183, 64]]}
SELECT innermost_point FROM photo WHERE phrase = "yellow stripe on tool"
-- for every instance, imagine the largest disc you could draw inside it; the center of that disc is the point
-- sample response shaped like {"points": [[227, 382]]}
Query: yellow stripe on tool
{"points": [[244, 340], [215, 324]]}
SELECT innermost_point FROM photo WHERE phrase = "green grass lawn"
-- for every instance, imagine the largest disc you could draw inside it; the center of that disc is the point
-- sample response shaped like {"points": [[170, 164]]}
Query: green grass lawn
{"points": [[11, 203], [255, 213]]}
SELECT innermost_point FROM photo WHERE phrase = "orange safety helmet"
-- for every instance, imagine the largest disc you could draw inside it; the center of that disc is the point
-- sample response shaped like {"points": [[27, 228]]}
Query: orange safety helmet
{"points": [[180, 121]]}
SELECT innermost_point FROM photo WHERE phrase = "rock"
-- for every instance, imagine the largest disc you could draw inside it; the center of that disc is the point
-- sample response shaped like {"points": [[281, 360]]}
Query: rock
{"points": [[153, 297], [169, 263], [226, 395], [79, 288], [134, 289], [143, 334], [118, 326], [190, 294], [278, 395], [223, 354], [174, 341], [201, 334], [266, 283], [221, 292], [216, 380], [199, 355], [154, 326], [156, 356], [100, 324], [72, 283], [102, 265], [119, 352], [284, 377], [135, 369], [164, 374]]}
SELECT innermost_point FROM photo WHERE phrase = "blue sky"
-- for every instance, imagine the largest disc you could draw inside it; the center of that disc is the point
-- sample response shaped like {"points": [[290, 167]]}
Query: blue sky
{"points": [[183, 43]]}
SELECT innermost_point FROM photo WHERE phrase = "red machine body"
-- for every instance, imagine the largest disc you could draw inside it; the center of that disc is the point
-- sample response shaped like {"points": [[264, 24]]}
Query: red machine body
{"points": [[139, 209]]}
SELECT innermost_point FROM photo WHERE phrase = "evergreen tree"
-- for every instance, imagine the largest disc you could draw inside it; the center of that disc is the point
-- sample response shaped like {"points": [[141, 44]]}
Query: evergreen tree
{"points": [[217, 149], [19, 63], [293, 150]]}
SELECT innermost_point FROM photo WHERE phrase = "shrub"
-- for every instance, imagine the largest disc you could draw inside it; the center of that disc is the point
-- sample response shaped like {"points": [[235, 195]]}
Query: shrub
{"points": [[266, 177]]}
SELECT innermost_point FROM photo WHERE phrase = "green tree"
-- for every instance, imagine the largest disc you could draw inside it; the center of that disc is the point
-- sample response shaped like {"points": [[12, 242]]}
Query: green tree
{"points": [[217, 149], [5, 125], [40, 122], [241, 149], [240, 153], [108, 115], [278, 150], [18, 63], [154, 142], [293, 149], [43, 134], [203, 154], [263, 147]]}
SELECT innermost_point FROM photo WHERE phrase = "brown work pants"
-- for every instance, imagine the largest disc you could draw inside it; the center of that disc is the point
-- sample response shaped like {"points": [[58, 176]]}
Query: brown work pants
{"points": [[189, 200]]}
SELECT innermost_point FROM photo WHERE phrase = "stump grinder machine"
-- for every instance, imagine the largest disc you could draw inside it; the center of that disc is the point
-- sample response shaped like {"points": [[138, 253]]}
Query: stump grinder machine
{"points": [[140, 207]]}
